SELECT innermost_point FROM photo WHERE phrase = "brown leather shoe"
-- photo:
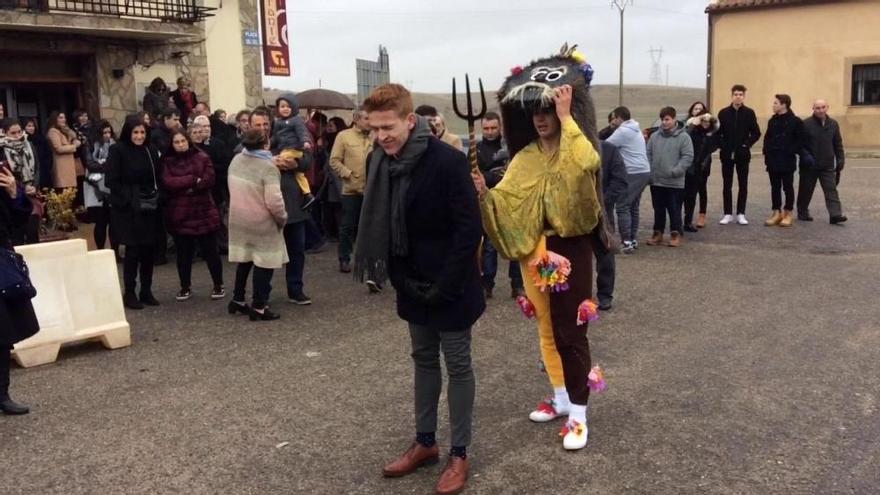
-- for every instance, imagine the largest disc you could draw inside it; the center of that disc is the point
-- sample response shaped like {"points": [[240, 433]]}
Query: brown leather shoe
{"points": [[454, 476], [416, 456], [655, 239], [675, 239], [701, 221]]}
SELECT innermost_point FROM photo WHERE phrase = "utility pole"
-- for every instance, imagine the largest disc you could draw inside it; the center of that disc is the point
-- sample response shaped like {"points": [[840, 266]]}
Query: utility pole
{"points": [[621, 6]]}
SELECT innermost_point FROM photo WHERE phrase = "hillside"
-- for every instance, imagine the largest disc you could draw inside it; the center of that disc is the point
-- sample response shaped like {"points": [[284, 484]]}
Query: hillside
{"points": [[643, 101]]}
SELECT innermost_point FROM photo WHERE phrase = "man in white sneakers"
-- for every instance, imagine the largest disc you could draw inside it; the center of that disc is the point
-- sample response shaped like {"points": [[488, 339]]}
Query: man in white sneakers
{"points": [[739, 131]]}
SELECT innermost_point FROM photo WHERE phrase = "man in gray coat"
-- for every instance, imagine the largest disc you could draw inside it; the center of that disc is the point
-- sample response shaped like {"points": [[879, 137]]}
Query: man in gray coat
{"points": [[614, 189], [826, 146], [671, 153]]}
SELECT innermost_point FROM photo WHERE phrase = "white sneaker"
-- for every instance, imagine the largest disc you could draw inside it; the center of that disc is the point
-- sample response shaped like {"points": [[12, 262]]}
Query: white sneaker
{"points": [[627, 247], [547, 411], [574, 435], [726, 219], [741, 219]]}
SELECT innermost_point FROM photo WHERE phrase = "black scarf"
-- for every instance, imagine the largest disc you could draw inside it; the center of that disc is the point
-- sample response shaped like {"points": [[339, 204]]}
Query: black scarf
{"points": [[382, 227]]}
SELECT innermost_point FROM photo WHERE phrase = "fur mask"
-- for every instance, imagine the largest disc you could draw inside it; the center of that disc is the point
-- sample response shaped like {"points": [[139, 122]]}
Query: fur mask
{"points": [[532, 87]]}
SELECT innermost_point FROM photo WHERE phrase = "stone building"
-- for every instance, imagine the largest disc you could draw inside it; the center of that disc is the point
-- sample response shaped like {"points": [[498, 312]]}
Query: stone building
{"points": [[805, 48], [101, 55]]}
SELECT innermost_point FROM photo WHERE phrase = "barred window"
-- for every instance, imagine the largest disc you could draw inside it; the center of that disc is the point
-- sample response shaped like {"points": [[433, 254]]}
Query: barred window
{"points": [[866, 84]]}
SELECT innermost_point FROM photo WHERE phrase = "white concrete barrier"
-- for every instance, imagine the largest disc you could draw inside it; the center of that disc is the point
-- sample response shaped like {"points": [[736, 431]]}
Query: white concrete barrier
{"points": [[78, 299]]}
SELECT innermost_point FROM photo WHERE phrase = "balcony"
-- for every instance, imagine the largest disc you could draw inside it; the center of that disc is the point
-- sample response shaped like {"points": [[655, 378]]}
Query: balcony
{"points": [[170, 11]]}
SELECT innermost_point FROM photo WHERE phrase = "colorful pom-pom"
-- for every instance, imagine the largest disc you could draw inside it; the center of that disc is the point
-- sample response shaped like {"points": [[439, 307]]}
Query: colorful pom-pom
{"points": [[587, 312], [596, 380], [587, 70], [526, 306], [551, 272], [579, 57], [516, 70]]}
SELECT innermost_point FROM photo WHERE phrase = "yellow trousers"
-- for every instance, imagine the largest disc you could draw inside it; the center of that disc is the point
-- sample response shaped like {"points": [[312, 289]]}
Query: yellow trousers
{"points": [[541, 302]]}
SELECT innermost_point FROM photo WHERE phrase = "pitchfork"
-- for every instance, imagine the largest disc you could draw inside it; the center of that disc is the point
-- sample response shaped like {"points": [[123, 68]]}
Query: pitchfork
{"points": [[470, 117]]}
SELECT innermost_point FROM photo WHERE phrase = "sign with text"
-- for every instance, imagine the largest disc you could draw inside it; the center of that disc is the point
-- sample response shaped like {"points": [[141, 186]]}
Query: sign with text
{"points": [[276, 52], [251, 38]]}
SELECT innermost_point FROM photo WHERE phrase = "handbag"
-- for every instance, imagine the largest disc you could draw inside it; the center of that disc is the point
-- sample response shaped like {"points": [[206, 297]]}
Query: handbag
{"points": [[15, 280], [150, 201]]}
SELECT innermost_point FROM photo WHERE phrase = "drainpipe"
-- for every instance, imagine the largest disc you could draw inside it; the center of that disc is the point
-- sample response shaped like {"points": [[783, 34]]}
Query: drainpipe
{"points": [[709, 62]]}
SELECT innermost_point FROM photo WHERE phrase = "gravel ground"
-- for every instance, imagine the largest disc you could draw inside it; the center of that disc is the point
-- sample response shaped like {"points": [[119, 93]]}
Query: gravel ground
{"points": [[743, 362]]}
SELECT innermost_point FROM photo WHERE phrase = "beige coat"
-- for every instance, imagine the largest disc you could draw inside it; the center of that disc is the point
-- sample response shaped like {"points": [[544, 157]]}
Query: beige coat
{"points": [[452, 140], [348, 159], [63, 156], [256, 212]]}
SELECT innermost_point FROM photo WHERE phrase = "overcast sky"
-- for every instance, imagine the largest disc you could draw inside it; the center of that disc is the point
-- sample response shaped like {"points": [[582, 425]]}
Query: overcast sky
{"points": [[429, 42]]}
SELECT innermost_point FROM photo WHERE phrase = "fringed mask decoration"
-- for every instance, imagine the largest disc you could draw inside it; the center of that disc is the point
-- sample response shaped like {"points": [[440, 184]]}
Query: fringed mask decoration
{"points": [[532, 87]]}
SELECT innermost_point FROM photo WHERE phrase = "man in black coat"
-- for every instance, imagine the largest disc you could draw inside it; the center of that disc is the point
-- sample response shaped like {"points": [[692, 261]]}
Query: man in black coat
{"points": [[492, 158], [160, 137], [739, 132], [826, 146], [420, 226], [614, 188]]}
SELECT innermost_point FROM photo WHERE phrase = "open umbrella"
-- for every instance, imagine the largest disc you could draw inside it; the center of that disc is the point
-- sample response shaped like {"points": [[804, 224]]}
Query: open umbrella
{"points": [[324, 99]]}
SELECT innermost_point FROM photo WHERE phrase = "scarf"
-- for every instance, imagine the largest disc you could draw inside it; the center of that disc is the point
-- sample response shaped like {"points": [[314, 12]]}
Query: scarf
{"points": [[264, 154], [20, 156], [382, 227]]}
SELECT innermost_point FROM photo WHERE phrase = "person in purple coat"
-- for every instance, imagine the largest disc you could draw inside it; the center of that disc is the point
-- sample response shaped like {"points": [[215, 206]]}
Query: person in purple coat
{"points": [[192, 217]]}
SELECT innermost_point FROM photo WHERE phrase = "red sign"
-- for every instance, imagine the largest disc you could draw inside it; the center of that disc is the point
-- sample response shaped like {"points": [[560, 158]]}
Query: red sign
{"points": [[276, 52]]}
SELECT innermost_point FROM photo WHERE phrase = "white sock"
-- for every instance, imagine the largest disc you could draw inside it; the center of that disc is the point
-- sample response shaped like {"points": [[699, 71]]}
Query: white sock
{"points": [[561, 399], [578, 413]]}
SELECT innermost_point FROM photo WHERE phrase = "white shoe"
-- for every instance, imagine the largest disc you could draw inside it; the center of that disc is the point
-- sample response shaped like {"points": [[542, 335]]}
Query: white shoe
{"points": [[574, 435], [741, 219], [547, 411], [726, 219]]}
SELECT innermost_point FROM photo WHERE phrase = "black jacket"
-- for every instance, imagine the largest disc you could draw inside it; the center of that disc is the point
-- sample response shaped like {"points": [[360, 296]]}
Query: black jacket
{"points": [[444, 231], [221, 156], [783, 142], [492, 156], [293, 196], [705, 143], [614, 183], [160, 138], [17, 318], [130, 176], [739, 129], [825, 143]]}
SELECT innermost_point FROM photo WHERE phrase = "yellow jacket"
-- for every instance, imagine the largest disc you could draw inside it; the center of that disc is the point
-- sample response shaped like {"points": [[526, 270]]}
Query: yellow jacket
{"points": [[544, 194], [348, 159]]}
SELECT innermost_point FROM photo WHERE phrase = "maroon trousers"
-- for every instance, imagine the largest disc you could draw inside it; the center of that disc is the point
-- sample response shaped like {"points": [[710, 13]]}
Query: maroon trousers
{"points": [[571, 339]]}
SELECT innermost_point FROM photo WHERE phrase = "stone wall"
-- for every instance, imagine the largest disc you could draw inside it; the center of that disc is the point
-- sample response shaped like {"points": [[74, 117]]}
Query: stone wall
{"points": [[118, 97], [253, 55]]}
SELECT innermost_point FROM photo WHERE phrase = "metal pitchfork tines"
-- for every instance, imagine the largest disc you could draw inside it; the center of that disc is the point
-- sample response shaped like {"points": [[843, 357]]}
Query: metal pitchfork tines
{"points": [[470, 116]]}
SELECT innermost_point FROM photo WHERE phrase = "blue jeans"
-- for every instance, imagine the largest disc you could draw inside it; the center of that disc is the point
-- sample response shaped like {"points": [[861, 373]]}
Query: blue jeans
{"points": [[295, 239], [628, 208], [490, 267]]}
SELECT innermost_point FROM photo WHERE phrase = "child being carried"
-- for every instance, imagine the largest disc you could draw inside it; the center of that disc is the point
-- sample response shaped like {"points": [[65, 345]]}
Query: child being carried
{"points": [[291, 137]]}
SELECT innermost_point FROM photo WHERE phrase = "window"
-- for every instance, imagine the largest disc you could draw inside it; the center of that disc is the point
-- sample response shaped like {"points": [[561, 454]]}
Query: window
{"points": [[866, 84]]}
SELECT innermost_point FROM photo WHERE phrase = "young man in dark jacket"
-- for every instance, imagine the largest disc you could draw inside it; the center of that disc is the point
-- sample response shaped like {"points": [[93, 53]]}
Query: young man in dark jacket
{"points": [[739, 132], [826, 147], [492, 157], [784, 142], [420, 226]]}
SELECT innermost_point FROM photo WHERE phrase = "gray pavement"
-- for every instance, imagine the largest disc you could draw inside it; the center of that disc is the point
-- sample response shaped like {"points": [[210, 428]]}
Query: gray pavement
{"points": [[743, 362]]}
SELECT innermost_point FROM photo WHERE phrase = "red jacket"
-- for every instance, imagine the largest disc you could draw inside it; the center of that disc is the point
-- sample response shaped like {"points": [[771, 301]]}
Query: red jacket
{"points": [[188, 179]]}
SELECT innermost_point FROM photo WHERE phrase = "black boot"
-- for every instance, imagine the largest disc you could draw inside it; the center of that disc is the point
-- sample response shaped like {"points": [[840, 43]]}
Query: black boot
{"points": [[148, 299], [262, 315], [7, 405], [12, 408], [130, 301]]}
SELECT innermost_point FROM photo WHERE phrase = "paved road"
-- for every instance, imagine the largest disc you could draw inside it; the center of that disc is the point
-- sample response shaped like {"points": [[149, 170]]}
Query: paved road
{"points": [[743, 362]]}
